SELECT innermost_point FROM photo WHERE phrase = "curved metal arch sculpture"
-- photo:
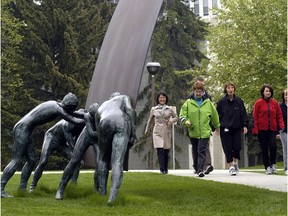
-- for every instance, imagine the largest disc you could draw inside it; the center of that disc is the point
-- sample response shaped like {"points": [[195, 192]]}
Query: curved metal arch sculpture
{"points": [[123, 53], [122, 56]]}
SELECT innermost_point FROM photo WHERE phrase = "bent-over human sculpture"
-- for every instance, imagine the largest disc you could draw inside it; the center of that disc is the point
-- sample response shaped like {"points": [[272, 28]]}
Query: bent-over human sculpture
{"points": [[116, 129], [87, 137], [22, 131], [60, 138]]}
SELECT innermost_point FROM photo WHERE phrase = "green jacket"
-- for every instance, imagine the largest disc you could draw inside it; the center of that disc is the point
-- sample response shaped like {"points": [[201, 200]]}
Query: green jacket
{"points": [[199, 118]]}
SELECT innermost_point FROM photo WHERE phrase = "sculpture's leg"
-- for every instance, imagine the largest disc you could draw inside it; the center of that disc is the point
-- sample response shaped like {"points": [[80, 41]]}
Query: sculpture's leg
{"points": [[105, 136], [102, 173], [68, 153], [8, 172], [38, 173], [120, 144], [28, 167], [81, 146], [96, 153], [47, 150], [20, 142]]}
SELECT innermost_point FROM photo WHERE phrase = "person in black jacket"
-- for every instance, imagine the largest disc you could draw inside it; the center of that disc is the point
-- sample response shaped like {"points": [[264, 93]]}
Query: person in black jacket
{"points": [[233, 121], [208, 167], [283, 133]]}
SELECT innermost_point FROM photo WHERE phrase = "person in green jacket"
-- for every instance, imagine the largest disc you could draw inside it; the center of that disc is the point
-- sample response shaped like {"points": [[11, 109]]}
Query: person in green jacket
{"points": [[196, 114]]}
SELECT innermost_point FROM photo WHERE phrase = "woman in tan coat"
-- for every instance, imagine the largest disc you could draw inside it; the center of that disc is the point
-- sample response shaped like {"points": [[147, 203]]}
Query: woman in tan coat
{"points": [[162, 116]]}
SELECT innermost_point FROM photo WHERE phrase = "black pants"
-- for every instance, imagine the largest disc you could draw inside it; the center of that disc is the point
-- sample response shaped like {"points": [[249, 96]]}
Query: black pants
{"points": [[163, 155], [267, 140], [199, 147], [231, 143]]}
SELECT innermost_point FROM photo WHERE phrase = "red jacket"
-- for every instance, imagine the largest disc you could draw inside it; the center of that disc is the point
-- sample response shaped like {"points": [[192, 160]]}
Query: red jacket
{"points": [[267, 118]]}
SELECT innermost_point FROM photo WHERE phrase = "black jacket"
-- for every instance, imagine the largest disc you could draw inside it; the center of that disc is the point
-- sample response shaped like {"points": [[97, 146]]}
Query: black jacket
{"points": [[232, 114]]}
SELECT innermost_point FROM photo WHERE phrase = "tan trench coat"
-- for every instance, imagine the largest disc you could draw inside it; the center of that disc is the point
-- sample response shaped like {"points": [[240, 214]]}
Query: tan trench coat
{"points": [[162, 120]]}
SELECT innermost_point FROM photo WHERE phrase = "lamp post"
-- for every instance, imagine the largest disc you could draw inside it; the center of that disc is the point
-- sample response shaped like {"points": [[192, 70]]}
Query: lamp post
{"points": [[153, 68]]}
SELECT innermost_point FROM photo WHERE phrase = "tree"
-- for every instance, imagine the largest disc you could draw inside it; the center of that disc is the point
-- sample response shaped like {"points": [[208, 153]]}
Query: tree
{"points": [[11, 82], [174, 46], [249, 46], [57, 54]]}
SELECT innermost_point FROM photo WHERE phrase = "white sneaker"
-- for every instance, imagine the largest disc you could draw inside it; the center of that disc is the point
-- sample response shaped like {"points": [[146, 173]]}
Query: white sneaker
{"points": [[273, 169], [232, 171], [268, 170], [236, 168], [286, 172]]}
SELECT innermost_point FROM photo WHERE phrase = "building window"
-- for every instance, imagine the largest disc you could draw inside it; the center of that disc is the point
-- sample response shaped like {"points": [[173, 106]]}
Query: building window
{"points": [[205, 8], [214, 6], [196, 7]]}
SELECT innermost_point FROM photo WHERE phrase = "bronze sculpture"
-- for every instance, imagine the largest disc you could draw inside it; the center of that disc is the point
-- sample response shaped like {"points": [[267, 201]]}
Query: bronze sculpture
{"points": [[60, 138], [116, 130], [22, 131], [88, 137]]}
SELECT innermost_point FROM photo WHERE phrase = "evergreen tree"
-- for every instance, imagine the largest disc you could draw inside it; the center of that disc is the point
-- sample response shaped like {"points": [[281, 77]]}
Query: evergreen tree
{"points": [[11, 83], [60, 44]]}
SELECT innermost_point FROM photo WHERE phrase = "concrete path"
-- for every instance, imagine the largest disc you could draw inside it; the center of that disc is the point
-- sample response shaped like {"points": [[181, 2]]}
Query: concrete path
{"points": [[259, 180]]}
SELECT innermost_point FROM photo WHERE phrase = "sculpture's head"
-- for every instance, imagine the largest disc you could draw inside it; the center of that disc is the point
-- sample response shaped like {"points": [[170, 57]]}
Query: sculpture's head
{"points": [[70, 102], [93, 109], [114, 94]]}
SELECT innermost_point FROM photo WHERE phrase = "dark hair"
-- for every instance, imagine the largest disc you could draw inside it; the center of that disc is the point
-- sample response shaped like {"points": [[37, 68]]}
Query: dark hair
{"points": [[228, 84], [263, 88], [161, 93], [198, 85]]}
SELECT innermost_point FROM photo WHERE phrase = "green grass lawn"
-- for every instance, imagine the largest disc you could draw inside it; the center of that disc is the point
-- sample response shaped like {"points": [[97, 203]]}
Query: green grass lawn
{"points": [[144, 194]]}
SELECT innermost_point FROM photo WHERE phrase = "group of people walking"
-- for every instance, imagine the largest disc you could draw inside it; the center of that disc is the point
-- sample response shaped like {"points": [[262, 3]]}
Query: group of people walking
{"points": [[228, 119]]}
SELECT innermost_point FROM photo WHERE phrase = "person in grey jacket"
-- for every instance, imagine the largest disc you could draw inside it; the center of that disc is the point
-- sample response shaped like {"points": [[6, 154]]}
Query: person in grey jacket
{"points": [[162, 116], [233, 121]]}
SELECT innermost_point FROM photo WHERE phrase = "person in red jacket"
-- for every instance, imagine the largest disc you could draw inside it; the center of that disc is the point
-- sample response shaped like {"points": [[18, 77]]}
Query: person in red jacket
{"points": [[268, 120]]}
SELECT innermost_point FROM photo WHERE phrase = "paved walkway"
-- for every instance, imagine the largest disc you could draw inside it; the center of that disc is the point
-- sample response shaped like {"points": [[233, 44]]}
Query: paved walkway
{"points": [[259, 180]]}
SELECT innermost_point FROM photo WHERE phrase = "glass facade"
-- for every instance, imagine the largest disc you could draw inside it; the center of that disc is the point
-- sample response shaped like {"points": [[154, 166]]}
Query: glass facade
{"points": [[196, 7], [205, 8]]}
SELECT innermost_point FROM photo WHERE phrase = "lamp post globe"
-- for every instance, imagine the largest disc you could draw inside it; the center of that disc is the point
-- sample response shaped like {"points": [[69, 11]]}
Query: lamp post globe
{"points": [[153, 68]]}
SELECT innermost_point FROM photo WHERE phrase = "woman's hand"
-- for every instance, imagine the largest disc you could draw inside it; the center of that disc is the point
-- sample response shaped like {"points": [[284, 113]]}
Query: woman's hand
{"points": [[188, 123], [245, 130], [217, 132]]}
